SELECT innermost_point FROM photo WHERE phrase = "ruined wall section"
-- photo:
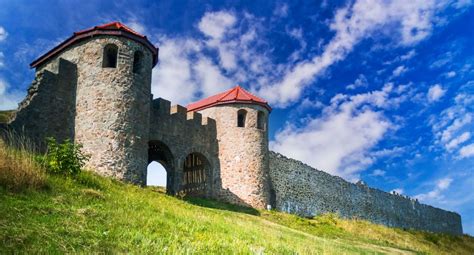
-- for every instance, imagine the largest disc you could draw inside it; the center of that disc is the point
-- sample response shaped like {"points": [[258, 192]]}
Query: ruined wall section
{"points": [[303, 190], [184, 133], [49, 107]]}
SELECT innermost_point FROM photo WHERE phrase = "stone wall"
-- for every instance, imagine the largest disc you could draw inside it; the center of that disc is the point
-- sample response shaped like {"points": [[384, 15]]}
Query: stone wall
{"points": [[49, 107], [112, 106], [107, 110], [243, 155], [303, 190], [178, 133]]}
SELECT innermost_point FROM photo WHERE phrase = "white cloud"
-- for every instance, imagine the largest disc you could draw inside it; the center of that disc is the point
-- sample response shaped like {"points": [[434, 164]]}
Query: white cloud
{"points": [[467, 151], [210, 78], [2, 60], [453, 126], [462, 3], [281, 10], [435, 93], [307, 103], [361, 81], [184, 73], [409, 55], [378, 172], [215, 24], [8, 100], [399, 71], [3, 34], [458, 140], [172, 78], [412, 19], [437, 192], [444, 183], [134, 24], [341, 139], [456, 125], [450, 74], [244, 56]]}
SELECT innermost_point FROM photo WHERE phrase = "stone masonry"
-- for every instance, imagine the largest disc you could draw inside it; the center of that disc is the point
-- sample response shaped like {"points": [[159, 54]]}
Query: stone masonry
{"points": [[305, 191], [95, 89], [243, 154]]}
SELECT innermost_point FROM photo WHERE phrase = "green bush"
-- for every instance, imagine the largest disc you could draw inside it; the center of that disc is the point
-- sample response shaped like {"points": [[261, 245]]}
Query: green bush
{"points": [[64, 158]]}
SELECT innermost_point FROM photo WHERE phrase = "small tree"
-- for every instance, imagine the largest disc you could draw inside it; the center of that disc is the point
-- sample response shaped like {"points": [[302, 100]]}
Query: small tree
{"points": [[64, 158]]}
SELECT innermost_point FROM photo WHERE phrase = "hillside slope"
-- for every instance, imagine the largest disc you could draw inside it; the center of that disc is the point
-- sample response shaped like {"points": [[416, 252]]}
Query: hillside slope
{"points": [[5, 116], [96, 214]]}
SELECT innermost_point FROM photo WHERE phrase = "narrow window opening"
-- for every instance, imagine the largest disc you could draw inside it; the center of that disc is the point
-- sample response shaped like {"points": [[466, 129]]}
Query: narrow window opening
{"points": [[110, 56], [261, 120], [241, 114], [137, 62]]}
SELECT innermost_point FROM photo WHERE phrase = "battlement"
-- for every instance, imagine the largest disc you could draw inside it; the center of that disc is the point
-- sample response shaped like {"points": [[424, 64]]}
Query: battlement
{"points": [[162, 109]]}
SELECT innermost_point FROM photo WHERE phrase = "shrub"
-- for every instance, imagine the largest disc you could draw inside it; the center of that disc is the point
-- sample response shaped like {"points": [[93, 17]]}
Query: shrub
{"points": [[64, 158], [19, 170]]}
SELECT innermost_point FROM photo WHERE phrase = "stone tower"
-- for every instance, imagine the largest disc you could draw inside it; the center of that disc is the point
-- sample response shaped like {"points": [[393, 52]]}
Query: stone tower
{"points": [[113, 95], [242, 135]]}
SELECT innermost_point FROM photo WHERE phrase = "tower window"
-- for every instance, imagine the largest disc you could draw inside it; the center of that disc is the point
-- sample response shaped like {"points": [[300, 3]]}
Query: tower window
{"points": [[110, 56], [261, 120], [137, 62], [241, 115]]}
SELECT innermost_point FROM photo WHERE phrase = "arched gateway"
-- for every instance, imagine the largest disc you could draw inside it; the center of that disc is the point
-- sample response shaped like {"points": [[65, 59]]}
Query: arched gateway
{"points": [[192, 177]]}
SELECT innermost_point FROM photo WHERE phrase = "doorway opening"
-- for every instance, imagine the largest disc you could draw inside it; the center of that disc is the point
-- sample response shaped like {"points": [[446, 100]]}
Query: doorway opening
{"points": [[160, 170], [156, 175]]}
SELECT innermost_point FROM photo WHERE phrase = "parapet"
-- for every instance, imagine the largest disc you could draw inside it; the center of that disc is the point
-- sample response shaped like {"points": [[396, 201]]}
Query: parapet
{"points": [[178, 116]]}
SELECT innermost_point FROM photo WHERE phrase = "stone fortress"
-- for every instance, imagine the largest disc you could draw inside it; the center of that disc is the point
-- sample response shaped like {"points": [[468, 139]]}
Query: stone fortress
{"points": [[95, 89]]}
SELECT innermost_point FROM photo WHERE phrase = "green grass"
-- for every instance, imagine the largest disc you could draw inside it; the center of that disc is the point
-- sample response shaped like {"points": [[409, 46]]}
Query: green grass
{"points": [[92, 214], [5, 116]]}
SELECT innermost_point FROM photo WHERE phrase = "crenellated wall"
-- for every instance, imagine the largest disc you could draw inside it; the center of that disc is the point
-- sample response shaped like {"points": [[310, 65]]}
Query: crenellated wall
{"points": [[182, 133], [303, 190]]}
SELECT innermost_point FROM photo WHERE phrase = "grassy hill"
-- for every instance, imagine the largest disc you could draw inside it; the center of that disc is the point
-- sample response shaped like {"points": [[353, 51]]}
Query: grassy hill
{"points": [[5, 116], [91, 214]]}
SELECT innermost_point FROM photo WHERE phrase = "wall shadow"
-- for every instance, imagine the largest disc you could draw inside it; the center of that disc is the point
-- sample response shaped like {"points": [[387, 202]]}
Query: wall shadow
{"points": [[215, 204]]}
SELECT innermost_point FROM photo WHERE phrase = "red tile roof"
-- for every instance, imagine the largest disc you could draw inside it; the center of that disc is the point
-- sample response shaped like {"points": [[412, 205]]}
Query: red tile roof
{"points": [[234, 95], [113, 28], [110, 26]]}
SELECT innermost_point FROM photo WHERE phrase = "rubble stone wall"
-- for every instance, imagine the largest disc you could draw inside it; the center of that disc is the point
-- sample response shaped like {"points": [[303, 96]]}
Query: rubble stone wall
{"points": [[110, 106], [303, 190], [49, 107], [182, 133], [243, 155]]}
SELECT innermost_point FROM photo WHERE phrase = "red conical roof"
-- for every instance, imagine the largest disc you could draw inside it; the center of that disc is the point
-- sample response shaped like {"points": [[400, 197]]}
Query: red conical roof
{"points": [[234, 95], [113, 28]]}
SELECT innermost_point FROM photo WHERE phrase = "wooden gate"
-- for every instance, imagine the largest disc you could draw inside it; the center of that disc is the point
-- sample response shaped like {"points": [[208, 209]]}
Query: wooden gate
{"points": [[194, 174]]}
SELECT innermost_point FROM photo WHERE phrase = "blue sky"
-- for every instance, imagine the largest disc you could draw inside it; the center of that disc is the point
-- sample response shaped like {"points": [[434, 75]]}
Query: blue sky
{"points": [[381, 91]]}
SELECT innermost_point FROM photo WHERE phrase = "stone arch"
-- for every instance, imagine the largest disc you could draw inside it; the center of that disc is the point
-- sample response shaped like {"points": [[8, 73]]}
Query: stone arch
{"points": [[110, 55], [137, 62], [241, 118], [160, 152], [196, 173]]}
